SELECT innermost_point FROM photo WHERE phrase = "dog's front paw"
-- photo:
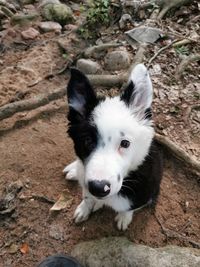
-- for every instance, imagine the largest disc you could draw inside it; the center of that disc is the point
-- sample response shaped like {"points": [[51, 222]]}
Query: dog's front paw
{"points": [[71, 171], [123, 220], [82, 212]]}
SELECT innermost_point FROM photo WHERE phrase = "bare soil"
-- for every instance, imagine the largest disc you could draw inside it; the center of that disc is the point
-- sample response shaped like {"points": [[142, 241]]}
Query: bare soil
{"points": [[34, 148]]}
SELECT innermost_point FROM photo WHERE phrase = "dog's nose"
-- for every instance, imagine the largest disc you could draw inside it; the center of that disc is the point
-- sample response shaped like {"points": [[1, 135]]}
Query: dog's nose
{"points": [[99, 188]]}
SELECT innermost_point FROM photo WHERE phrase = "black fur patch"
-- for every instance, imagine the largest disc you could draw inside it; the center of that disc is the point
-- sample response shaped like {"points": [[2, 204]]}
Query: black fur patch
{"points": [[142, 185], [80, 129]]}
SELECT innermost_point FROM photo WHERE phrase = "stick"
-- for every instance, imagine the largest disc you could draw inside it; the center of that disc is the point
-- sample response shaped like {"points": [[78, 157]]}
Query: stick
{"points": [[178, 152], [172, 234], [160, 51]]}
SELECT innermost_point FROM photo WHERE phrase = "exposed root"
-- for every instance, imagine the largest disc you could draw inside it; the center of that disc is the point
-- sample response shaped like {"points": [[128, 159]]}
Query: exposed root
{"points": [[95, 50], [30, 118], [166, 5], [172, 234], [185, 62], [107, 80], [178, 152], [8, 110], [6, 11]]}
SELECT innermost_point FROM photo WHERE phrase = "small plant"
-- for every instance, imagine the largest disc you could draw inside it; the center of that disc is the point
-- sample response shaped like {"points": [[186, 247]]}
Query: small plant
{"points": [[97, 15], [182, 50]]}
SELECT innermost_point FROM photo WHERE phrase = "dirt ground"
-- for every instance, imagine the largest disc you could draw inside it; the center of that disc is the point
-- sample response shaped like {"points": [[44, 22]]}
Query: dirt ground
{"points": [[34, 148]]}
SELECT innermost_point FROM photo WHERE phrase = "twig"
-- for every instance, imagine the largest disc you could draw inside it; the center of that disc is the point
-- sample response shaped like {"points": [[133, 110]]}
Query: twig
{"points": [[172, 234], [43, 199], [160, 51], [185, 62], [178, 152]]}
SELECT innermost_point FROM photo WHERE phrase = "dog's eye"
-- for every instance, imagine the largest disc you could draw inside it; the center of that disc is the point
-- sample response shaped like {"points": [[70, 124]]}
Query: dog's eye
{"points": [[125, 144], [88, 142]]}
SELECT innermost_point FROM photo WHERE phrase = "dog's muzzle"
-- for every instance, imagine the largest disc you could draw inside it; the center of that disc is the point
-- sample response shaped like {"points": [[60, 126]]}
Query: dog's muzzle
{"points": [[98, 188]]}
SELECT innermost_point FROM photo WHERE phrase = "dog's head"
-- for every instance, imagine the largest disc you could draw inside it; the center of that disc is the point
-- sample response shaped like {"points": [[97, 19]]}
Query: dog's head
{"points": [[111, 136]]}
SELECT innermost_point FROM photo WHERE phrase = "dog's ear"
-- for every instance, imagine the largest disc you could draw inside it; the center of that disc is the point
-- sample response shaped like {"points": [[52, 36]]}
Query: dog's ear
{"points": [[138, 94], [80, 94]]}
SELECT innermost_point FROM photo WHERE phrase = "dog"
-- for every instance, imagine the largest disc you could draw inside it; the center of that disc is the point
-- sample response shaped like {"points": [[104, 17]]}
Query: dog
{"points": [[119, 164]]}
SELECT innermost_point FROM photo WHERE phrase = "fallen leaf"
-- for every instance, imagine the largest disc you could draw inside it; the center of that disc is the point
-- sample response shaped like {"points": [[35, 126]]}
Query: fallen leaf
{"points": [[64, 201], [13, 248], [24, 248]]}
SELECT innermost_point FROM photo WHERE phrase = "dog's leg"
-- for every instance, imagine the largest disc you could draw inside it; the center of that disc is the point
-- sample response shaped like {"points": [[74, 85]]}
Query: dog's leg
{"points": [[71, 171], [123, 219], [83, 210], [98, 205]]}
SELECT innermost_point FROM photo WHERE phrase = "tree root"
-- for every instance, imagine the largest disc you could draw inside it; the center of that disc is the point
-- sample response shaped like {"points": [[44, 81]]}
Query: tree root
{"points": [[94, 50], [178, 152], [107, 80], [185, 62], [166, 5], [6, 11], [8, 110], [172, 234]]}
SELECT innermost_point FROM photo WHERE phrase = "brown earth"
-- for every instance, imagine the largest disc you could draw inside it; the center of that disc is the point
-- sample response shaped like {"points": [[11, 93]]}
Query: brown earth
{"points": [[34, 148]]}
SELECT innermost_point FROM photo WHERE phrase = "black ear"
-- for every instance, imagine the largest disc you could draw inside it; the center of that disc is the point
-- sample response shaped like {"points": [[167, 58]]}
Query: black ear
{"points": [[81, 96]]}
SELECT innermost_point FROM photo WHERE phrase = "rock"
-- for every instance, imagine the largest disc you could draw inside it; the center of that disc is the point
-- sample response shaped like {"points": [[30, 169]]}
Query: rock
{"points": [[56, 231], [57, 12], [119, 252], [145, 34], [30, 34], [49, 26], [124, 19], [88, 66], [71, 27], [46, 2], [117, 60]]}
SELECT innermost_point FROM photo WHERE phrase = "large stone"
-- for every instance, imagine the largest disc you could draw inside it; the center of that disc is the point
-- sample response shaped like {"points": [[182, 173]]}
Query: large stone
{"points": [[60, 13], [145, 34], [49, 26], [119, 252], [117, 60], [88, 66]]}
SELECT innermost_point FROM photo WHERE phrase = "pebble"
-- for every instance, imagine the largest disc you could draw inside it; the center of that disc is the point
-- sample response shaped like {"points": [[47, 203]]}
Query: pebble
{"points": [[49, 26], [30, 34], [88, 66]]}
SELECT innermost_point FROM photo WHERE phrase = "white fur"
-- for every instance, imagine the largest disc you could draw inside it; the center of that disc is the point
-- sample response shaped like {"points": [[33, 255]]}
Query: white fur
{"points": [[143, 93], [123, 219]]}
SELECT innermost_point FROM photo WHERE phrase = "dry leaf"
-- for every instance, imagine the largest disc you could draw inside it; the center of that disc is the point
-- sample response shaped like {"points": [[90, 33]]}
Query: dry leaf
{"points": [[64, 201], [24, 248], [13, 248]]}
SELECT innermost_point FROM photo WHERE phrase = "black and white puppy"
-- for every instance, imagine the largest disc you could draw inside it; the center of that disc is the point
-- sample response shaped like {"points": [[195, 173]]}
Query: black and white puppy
{"points": [[118, 162]]}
